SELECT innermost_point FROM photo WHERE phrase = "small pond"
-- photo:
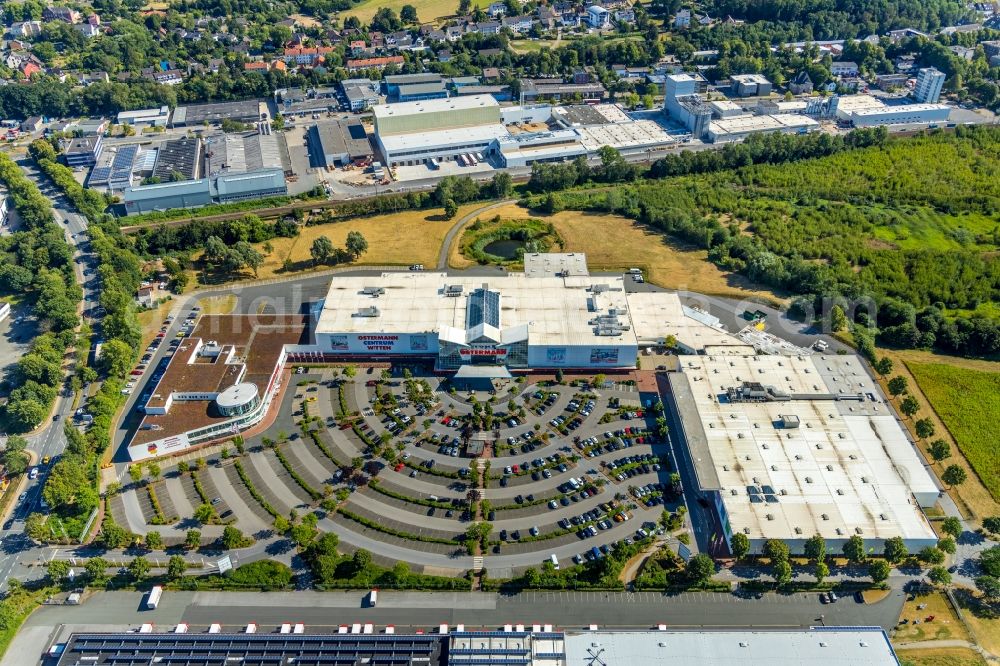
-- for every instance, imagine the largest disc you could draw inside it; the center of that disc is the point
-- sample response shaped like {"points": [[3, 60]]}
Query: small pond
{"points": [[505, 249]]}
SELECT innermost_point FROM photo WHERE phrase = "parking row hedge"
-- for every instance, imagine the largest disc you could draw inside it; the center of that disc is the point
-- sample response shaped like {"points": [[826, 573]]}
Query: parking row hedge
{"points": [[377, 487], [314, 436], [432, 470], [371, 524], [254, 492], [312, 492], [159, 518]]}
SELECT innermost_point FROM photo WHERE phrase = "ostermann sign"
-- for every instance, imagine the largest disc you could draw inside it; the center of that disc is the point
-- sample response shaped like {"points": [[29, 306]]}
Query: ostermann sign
{"points": [[379, 343]]}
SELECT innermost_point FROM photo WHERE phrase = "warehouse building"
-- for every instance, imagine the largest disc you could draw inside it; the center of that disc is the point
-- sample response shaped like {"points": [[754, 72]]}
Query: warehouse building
{"points": [[415, 92], [867, 111], [749, 85], [394, 82], [740, 127], [84, 151], [247, 111], [226, 187], [340, 143], [240, 153], [179, 159], [145, 117], [411, 133], [533, 645], [787, 447]]}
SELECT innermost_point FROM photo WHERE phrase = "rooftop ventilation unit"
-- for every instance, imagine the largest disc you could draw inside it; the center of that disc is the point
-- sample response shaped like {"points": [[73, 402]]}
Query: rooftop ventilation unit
{"points": [[368, 312], [453, 290], [373, 291]]}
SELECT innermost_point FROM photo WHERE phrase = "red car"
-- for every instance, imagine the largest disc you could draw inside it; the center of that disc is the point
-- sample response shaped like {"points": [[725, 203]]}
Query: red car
{"points": [[136, 372], [399, 467], [161, 335]]}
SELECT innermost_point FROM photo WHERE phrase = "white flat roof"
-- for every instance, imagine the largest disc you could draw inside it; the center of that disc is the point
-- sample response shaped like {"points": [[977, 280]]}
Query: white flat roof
{"points": [[900, 108], [848, 466], [854, 646], [555, 310], [852, 103], [432, 105], [740, 124], [640, 133], [657, 314], [395, 143]]}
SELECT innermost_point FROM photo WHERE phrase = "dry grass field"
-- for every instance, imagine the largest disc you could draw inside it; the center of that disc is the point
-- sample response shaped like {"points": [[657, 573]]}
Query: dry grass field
{"points": [[945, 626], [612, 242], [428, 11], [941, 657]]}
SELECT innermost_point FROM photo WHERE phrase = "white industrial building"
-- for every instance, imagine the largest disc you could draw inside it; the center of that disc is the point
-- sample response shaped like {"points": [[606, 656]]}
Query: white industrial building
{"points": [[412, 133], [154, 117], [867, 111], [738, 128], [787, 447], [538, 319]]}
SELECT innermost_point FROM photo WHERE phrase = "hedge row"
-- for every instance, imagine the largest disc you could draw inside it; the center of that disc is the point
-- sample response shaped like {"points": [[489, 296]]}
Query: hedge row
{"points": [[254, 492], [159, 518], [397, 533], [312, 492]]}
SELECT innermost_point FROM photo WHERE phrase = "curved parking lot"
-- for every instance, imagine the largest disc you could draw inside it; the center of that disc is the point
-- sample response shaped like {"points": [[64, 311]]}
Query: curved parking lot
{"points": [[390, 465]]}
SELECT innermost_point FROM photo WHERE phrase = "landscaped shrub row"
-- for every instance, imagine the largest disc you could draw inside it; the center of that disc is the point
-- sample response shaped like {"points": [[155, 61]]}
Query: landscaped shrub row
{"points": [[198, 488], [388, 530], [312, 492], [254, 492], [314, 436], [159, 518], [377, 487], [431, 470]]}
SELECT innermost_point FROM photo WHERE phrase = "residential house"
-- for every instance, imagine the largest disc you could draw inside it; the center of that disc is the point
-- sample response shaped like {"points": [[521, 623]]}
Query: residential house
{"points": [[453, 33], [66, 14], [145, 297], [444, 55], [358, 47], [801, 84], [486, 27], [547, 17], [624, 16], [26, 28], [846, 68], [88, 30], [518, 24], [682, 19], [97, 76], [94, 20], [30, 68], [598, 17], [32, 124], [963, 52], [491, 74], [256, 66], [306, 55], [899, 35], [497, 9], [704, 20], [435, 36], [373, 63]]}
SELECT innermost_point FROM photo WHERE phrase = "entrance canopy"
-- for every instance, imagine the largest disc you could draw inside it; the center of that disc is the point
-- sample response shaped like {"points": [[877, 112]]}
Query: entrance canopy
{"points": [[483, 372]]}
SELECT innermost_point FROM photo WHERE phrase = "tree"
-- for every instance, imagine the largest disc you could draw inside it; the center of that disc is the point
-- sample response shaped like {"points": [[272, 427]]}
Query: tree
{"points": [[97, 570], [895, 550], [356, 244], [14, 458], [135, 472], [408, 14], [939, 450], [326, 544], [115, 536], [36, 527], [782, 572], [989, 560], [815, 548], [909, 406], [154, 470], [740, 545], [953, 475], [117, 357], [990, 524], [821, 571], [854, 550], [282, 525], [57, 570], [924, 428], [233, 538], [138, 569], [883, 366], [947, 545], [838, 320], [192, 539], [952, 526], [450, 209], [154, 541], [931, 555], [879, 571], [502, 185], [700, 568], [897, 386], [989, 586], [68, 486], [176, 566], [361, 560], [204, 514], [321, 251], [776, 550]]}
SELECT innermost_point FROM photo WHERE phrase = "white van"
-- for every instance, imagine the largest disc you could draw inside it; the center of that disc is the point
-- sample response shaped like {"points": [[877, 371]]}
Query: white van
{"points": [[635, 271], [372, 598], [555, 561], [154, 597]]}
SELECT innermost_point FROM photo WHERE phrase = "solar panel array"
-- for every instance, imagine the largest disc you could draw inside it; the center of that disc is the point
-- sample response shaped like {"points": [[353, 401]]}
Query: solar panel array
{"points": [[252, 649]]}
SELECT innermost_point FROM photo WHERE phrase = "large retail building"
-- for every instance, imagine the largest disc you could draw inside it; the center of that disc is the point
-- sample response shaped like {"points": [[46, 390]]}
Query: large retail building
{"points": [[518, 320]]}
